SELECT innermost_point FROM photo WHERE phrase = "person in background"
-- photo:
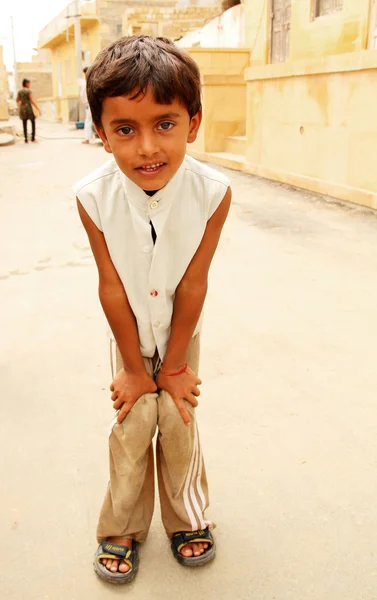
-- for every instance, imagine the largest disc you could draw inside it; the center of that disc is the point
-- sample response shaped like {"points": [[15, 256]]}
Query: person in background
{"points": [[88, 127], [25, 103]]}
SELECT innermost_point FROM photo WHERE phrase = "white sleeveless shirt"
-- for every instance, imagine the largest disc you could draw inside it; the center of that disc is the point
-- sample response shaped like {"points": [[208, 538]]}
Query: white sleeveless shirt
{"points": [[179, 213]]}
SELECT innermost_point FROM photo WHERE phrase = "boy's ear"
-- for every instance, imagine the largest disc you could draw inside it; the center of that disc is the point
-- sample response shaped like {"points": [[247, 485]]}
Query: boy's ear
{"points": [[194, 127], [102, 135]]}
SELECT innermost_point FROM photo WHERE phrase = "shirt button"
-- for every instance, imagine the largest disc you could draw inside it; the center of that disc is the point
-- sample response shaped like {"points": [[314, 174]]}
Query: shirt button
{"points": [[153, 204], [146, 249], [157, 323], [154, 293]]}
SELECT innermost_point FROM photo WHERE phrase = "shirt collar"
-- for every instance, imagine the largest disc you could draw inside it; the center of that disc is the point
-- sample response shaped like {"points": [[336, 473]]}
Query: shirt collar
{"points": [[163, 197]]}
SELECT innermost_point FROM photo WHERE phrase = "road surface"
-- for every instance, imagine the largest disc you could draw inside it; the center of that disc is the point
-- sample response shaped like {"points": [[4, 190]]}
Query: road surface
{"points": [[288, 413]]}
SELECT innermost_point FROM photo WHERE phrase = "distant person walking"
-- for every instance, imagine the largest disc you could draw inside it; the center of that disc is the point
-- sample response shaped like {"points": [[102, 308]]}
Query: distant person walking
{"points": [[25, 103], [88, 127]]}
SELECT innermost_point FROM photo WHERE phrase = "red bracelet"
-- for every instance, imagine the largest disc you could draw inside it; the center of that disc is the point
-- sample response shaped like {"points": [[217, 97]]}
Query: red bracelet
{"points": [[183, 370]]}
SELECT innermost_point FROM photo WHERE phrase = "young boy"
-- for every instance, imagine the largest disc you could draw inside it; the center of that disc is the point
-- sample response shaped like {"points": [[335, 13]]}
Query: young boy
{"points": [[153, 217]]}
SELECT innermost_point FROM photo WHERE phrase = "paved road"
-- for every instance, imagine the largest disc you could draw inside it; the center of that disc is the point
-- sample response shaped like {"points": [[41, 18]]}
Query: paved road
{"points": [[288, 409]]}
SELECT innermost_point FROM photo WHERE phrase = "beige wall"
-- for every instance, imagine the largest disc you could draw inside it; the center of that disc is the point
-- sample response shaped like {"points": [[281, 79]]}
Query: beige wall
{"points": [[224, 95], [110, 13], [220, 61], [3, 88], [342, 32], [316, 127], [309, 122], [65, 89], [167, 20], [40, 78], [227, 30]]}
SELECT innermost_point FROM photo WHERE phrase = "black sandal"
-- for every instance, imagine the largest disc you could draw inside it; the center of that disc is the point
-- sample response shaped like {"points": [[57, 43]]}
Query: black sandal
{"points": [[116, 552], [186, 537]]}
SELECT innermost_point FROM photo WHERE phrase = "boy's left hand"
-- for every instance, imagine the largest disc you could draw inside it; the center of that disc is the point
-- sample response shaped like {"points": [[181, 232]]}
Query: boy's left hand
{"points": [[181, 387]]}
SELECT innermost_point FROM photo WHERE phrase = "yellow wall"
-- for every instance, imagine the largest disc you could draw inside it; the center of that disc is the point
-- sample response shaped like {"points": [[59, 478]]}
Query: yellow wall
{"points": [[311, 121], [257, 15], [65, 55], [63, 60], [223, 94], [3, 88], [90, 40], [224, 111], [220, 61], [341, 32], [316, 127]]}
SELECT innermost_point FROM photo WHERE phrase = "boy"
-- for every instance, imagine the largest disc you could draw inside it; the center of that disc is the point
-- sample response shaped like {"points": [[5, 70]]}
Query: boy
{"points": [[153, 217]]}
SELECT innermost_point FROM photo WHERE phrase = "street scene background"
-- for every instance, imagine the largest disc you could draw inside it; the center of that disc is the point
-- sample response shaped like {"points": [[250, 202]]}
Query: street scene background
{"points": [[287, 413]]}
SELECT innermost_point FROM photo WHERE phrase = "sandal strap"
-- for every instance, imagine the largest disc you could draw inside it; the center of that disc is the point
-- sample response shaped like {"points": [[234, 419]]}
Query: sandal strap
{"points": [[182, 538], [117, 549], [113, 557], [118, 552]]}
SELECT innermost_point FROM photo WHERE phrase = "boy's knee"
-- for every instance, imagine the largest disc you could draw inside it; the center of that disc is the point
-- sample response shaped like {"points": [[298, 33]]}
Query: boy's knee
{"points": [[141, 421], [169, 416]]}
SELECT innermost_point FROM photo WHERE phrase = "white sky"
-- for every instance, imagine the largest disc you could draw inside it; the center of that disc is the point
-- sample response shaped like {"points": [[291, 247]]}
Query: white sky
{"points": [[29, 17]]}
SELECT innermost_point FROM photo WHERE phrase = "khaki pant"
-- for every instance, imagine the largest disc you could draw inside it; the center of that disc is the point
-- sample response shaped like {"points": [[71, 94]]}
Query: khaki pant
{"points": [[128, 506]]}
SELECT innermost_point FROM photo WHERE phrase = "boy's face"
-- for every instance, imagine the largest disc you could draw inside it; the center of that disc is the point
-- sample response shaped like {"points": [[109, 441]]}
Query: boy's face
{"points": [[148, 140]]}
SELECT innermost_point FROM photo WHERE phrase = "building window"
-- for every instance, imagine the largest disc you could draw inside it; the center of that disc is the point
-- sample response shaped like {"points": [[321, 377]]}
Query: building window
{"points": [[119, 29], [327, 7]]}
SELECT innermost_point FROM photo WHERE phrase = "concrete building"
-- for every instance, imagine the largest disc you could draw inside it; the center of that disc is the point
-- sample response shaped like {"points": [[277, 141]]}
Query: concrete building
{"points": [[4, 91], [294, 97], [166, 18], [104, 21]]}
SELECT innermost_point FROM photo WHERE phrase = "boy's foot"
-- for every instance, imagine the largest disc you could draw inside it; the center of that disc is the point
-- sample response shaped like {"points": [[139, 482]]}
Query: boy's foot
{"points": [[121, 570], [117, 565], [85, 142], [193, 548]]}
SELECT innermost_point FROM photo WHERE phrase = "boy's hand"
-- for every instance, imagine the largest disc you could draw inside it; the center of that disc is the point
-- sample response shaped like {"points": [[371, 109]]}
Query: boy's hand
{"points": [[181, 387], [127, 388]]}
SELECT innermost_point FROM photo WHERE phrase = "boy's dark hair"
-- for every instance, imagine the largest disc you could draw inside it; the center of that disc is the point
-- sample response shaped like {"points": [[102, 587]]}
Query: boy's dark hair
{"points": [[132, 64], [25, 81]]}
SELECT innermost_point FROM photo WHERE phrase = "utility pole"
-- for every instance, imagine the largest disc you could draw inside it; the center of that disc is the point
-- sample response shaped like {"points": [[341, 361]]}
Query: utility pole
{"points": [[15, 72], [78, 43]]}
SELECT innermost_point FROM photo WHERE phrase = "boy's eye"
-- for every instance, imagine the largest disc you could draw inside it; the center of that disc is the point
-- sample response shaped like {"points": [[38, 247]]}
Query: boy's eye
{"points": [[125, 130], [165, 126]]}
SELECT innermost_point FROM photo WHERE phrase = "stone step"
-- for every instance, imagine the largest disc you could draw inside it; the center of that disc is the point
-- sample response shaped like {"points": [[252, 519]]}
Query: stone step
{"points": [[236, 144], [228, 159]]}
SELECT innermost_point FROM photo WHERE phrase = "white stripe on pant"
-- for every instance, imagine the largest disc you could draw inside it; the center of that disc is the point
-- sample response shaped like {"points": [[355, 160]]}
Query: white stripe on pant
{"points": [[128, 506]]}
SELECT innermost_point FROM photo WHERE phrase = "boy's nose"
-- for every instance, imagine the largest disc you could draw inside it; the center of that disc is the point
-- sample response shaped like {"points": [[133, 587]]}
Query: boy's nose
{"points": [[148, 145]]}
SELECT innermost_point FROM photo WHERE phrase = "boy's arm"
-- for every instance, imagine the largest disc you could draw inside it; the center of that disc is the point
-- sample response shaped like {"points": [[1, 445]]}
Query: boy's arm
{"points": [[133, 380], [188, 304], [192, 290]]}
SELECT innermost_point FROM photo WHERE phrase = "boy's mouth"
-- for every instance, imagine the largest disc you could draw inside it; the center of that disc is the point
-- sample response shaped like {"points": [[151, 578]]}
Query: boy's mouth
{"points": [[151, 169]]}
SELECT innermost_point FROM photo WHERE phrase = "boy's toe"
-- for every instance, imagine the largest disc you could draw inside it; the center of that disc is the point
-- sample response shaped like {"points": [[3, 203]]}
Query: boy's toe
{"points": [[123, 567], [197, 548], [187, 550], [114, 566]]}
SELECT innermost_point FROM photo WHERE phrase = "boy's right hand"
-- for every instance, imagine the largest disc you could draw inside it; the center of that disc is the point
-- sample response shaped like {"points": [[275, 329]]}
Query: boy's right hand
{"points": [[127, 387], [181, 387]]}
